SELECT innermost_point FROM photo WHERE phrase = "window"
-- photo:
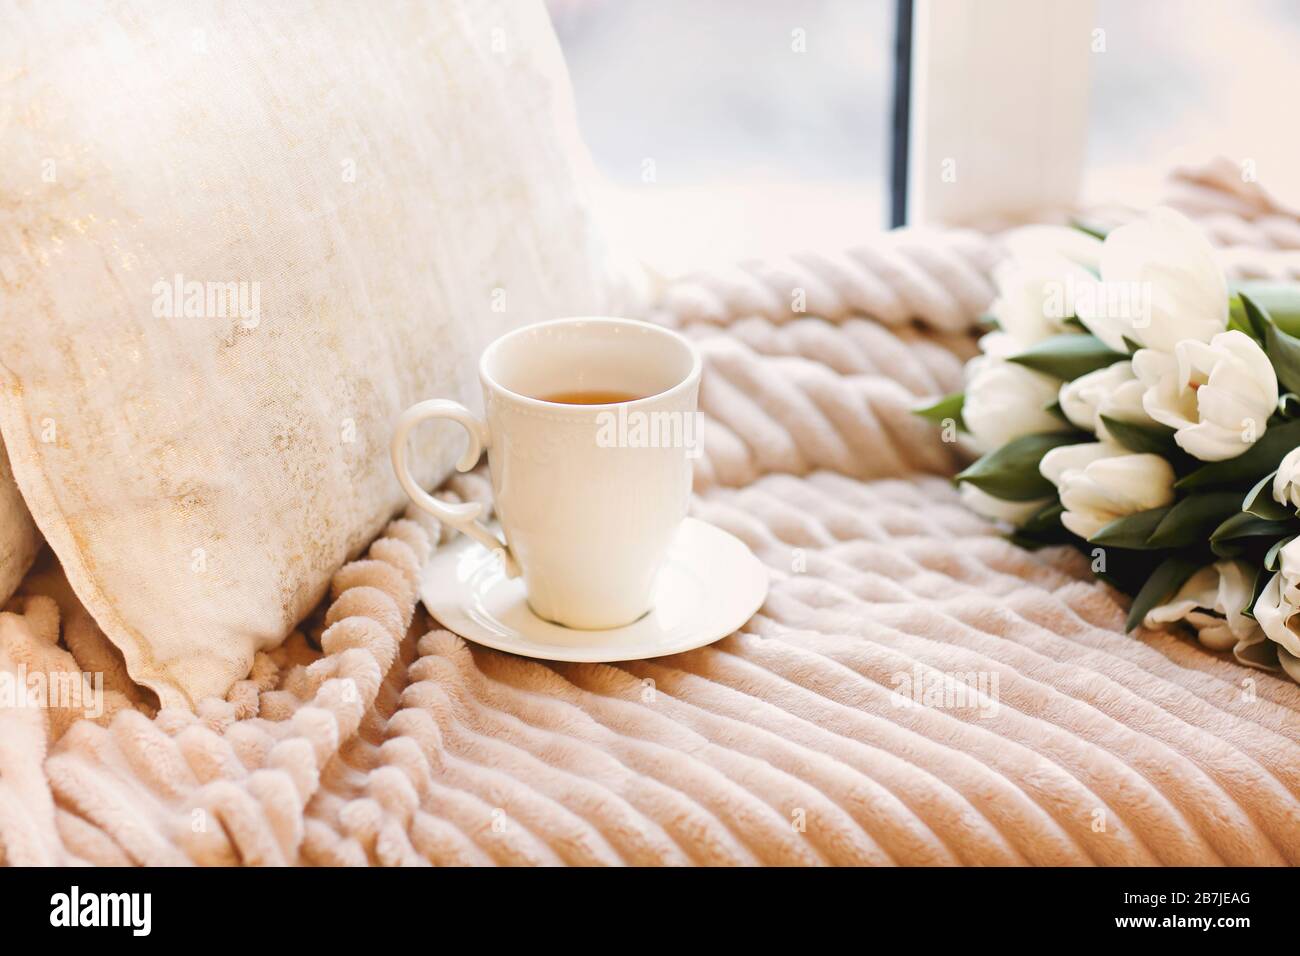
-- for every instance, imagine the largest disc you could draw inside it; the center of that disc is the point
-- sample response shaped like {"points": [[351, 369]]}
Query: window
{"points": [[734, 128]]}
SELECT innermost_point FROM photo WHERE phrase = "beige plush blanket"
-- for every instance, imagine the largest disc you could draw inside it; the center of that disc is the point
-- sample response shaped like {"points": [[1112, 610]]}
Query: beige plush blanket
{"points": [[915, 690]]}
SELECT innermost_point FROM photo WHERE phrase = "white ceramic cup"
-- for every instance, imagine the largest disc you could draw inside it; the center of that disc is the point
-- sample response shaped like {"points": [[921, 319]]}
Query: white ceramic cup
{"points": [[589, 497]]}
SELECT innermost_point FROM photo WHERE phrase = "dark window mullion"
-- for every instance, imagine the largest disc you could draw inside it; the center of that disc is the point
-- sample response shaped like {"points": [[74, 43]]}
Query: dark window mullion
{"points": [[901, 130]]}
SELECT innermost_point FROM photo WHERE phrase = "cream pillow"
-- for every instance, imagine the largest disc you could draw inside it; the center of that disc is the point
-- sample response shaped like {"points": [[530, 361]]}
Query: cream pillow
{"points": [[236, 239], [19, 539]]}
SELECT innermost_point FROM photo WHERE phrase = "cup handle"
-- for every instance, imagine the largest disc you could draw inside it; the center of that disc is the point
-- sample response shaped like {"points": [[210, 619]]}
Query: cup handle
{"points": [[463, 517]]}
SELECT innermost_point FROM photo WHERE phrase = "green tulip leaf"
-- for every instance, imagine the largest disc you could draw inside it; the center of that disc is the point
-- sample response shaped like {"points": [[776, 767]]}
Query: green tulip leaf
{"points": [[1272, 561], [1260, 458], [1011, 472], [1262, 578], [1238, 320], [1131, 531], [1044, 521], [948, 407], [1165, 580], [1089, 228], [1068, 356], [1259, 501], [1153, 439], [1256, 319], [1280, 301], [1042, 529], [1232, 538], [1054, 407], [1283, 350], [1191, 520]]}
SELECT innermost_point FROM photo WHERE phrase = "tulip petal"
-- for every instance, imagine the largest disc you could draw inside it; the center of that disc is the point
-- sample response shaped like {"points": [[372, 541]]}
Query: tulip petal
{"points": [[1286, 483], [1277, 616], [1210, 442], [1082, 524], [1169, 257], [1074, 457], [1135, 482]]}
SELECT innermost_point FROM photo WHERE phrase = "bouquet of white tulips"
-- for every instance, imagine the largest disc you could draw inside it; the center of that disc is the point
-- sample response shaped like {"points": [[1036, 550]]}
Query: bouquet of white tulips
{"points": [[1129, 403]]}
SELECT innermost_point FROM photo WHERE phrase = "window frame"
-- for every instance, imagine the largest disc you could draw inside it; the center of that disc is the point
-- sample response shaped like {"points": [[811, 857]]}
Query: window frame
{"points": [[991, 97]]}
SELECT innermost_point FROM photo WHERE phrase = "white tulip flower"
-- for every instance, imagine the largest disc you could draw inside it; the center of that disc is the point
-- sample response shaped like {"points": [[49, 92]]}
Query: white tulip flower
{"points": [[1167, 264], [1113, 391], [1036, 294], [1100, 482], [1218, 396], [1277, 606], [1286, 483], [1213, 601], [1048, 268], [1004, 400]]}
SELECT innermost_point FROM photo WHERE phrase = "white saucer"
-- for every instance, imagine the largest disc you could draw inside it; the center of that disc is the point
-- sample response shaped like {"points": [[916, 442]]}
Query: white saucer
{"points": [[710, 585]]}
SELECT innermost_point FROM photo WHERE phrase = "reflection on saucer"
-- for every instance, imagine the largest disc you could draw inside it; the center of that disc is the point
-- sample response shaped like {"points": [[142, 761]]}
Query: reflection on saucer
{"points": [[710, 585]]}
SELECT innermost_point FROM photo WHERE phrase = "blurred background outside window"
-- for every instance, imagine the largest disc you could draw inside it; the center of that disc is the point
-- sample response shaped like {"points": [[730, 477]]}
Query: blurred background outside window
{"points": [[757, 122], [729, 129]]}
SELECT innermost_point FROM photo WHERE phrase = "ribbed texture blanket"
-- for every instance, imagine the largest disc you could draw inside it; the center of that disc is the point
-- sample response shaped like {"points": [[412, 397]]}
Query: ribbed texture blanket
{"points": [[915, 690]]}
